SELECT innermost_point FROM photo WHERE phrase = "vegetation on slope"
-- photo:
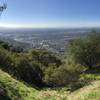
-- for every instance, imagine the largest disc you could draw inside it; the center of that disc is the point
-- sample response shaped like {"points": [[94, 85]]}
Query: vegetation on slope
{"points": [[14, 89], [53, 77], [89, 92], [11, 89]]}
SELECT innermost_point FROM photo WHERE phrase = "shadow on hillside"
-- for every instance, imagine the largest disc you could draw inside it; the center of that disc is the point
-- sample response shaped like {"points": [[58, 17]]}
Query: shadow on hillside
{"points": [[3, 95], [95, 70]]}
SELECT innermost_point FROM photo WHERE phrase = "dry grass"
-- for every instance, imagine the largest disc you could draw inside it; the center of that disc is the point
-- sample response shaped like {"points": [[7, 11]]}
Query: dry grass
{"points": [[90, 92]]}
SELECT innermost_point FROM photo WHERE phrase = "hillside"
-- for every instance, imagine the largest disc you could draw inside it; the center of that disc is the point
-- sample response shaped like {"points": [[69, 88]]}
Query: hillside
{"points": [[89, 92], [41, 75], [12, 89]]}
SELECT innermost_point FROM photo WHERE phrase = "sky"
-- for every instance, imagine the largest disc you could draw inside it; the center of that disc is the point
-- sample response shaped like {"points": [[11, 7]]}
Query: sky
{"points": [[51, 13]]}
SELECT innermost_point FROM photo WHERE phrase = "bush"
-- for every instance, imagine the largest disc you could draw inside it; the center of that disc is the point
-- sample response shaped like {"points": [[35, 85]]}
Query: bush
{"points": [[5, 60], [62, 76], [44, 57], [28, 72]]}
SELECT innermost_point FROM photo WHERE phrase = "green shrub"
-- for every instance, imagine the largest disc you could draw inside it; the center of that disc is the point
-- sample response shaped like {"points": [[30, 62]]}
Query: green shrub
{"points": [[44, 57], [29, 72], [5, 60], [62, 76]]}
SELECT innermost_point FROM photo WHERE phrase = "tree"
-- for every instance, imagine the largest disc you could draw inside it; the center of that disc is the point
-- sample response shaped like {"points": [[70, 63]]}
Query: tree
{"points": [[3, 7], [85, 51]]}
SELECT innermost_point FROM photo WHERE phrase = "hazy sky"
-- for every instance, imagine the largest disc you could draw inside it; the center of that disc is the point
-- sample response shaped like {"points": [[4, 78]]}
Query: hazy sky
{"points": [[51, 13]]}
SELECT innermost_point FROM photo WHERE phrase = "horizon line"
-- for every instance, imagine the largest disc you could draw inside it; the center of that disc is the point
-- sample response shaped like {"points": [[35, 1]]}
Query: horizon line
{"points": [[51, 27], [47, 26]]}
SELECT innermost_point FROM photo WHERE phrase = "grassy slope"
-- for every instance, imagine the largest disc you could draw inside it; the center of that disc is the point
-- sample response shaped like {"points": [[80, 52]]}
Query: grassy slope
{"points": [[18, 91], [90, 92], [15, 89]]}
